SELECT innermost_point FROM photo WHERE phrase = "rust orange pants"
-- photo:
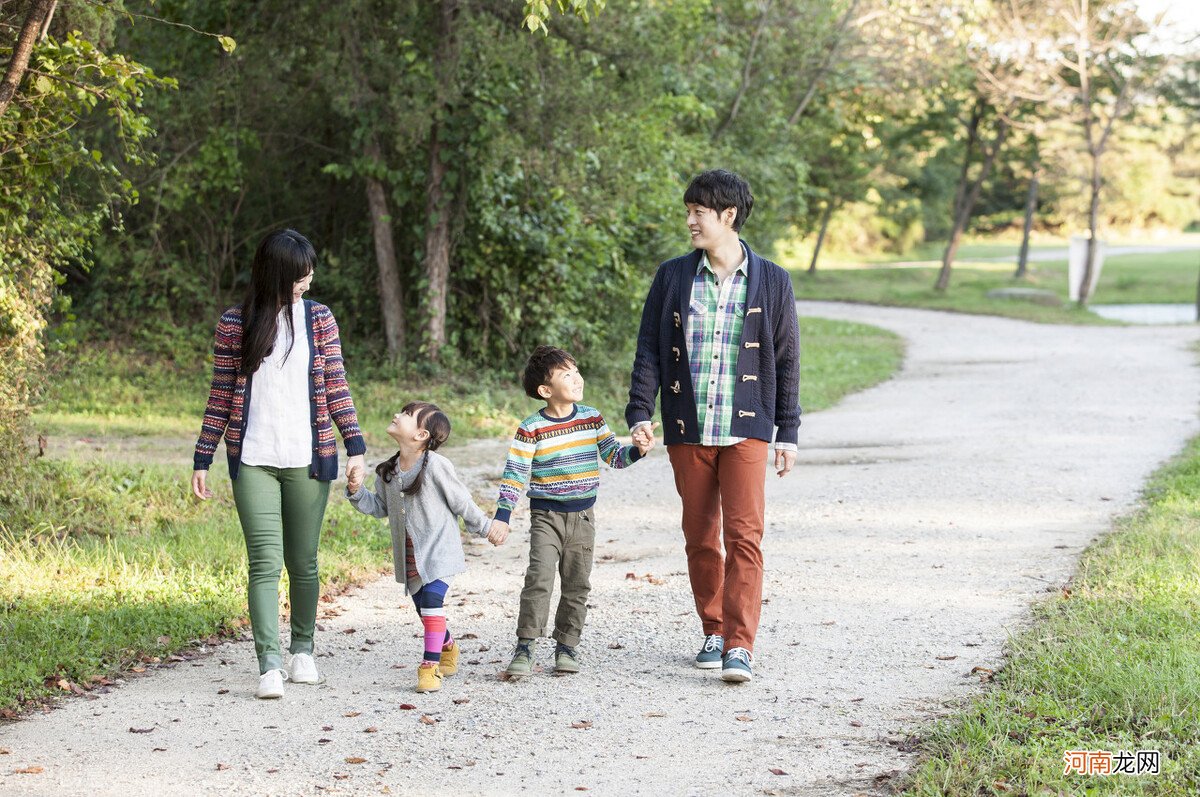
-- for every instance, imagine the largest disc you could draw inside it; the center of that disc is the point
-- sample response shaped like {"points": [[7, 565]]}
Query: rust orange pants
{"points": [[723, 493]]}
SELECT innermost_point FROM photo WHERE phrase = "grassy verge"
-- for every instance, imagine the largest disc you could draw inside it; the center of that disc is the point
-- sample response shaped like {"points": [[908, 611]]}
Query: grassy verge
{"points": [[1127, 279], [1112, 663], [106, 563]]}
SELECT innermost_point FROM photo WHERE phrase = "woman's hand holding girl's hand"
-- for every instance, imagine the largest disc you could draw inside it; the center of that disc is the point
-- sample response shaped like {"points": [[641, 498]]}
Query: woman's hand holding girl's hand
{"points": [[199, 488], [498, 533], [355, 468]]}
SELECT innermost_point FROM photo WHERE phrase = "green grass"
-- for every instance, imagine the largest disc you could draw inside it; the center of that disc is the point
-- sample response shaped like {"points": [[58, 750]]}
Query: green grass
{"points": [[106, 565], [1111, 664], [1127, 279], [106, 562]]}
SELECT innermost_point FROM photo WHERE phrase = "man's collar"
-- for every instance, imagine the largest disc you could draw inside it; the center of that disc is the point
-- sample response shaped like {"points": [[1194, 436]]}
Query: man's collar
{"points": [[743, 267]]}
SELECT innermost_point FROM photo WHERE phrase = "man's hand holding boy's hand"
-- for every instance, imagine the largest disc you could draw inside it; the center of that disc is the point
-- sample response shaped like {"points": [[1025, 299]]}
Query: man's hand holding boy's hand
{"points": [[498, 532], [643, 437]]}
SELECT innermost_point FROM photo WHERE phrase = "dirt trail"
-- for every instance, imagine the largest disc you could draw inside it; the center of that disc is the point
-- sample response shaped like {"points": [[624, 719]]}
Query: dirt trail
{"points": [[924, 517]]}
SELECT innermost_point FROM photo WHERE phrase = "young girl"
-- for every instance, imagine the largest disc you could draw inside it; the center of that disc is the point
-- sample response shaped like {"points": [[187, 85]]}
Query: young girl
{"points": [[419, 493]]}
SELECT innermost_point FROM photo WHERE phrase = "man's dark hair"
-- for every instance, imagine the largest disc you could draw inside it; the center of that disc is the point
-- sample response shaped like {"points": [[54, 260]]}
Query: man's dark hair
{"points": [[544, 361], [719, 189]]}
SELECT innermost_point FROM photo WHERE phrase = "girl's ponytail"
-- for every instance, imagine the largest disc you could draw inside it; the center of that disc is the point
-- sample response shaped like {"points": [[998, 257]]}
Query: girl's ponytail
{"points": [[416, 484], [387, 469]]}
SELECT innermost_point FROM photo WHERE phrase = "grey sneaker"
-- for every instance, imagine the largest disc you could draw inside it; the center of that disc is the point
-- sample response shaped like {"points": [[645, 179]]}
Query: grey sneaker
{"points": [[565, 659], [522, 660], [709, 657], [735, 666]]}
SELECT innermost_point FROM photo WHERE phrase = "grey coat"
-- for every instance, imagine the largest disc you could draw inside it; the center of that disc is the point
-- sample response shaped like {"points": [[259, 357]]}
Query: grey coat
{"points": [[430, 517]]}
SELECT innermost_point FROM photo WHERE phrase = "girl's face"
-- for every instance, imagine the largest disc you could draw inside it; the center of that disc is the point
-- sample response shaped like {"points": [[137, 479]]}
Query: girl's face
{"points": [[300, 286], [406, 430]]}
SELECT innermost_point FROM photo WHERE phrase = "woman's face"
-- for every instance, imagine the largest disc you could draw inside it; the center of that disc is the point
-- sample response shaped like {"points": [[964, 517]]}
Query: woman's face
{"points": [[300, 286]]}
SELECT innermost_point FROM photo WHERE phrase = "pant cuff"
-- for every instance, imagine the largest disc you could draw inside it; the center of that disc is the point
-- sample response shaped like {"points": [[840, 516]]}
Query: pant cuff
{"points": [[301, 647], [531, 633], [271, 661], [570, 640]]}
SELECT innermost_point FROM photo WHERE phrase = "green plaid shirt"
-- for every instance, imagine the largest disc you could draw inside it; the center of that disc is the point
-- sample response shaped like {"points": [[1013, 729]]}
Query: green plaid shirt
{"points": [[714, 333]]}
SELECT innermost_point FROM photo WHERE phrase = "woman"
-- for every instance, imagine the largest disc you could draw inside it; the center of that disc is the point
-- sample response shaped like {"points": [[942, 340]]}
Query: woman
{"points": [[279, 386]]}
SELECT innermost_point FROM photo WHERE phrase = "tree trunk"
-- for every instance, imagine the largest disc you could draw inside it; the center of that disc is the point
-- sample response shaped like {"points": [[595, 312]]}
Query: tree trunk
{"points": [[960, 190], [747, 70], [1030, 209], [1089, 265], [437, 197], [829, 207], [968, 204], [391, 292], [39, 12]]}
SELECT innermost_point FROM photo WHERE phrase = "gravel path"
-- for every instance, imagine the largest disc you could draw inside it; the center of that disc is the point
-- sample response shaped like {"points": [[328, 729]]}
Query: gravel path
{"points": [[924, 517]]}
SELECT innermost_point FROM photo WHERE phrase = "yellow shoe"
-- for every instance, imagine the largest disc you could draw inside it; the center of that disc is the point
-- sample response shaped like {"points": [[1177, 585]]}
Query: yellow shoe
{"points": [[449, 664], [429, 678]]}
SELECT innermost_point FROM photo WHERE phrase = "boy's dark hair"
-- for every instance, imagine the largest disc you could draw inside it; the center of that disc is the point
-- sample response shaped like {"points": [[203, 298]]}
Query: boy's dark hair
{"points": [[719, 189], [544, 361]]}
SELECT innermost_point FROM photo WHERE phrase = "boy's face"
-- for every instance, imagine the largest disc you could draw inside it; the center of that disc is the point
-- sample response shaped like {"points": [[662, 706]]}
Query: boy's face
{"points": [[708, 227], [564, 386]]}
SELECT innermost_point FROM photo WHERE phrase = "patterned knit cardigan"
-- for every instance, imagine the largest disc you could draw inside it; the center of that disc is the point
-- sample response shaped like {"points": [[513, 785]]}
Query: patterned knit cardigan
{"points": [[328, 395]]}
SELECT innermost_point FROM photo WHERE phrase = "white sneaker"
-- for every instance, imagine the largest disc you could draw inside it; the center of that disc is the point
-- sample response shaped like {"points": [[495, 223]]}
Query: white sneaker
{"points": [[304, 669], [270, 684]]}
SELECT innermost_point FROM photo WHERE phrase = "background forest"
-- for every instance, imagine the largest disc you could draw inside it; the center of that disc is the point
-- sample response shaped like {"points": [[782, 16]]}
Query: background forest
{"points": [[474, 187]]}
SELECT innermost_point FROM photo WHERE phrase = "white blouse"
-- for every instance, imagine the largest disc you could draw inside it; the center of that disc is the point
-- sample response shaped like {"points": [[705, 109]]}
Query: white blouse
{"points": [[278, 422]]}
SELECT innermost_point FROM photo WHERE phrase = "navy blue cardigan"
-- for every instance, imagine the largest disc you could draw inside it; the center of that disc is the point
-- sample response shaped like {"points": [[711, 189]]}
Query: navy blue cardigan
{"points": [[766, 393]]}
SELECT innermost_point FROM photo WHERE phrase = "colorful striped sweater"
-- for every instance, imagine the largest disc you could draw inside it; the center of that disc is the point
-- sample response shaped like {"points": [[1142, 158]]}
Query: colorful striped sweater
{"points": [[328, 395], [560, 460]]}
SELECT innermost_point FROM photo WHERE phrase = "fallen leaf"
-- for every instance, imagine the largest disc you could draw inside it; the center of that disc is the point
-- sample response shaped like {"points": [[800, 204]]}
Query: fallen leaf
{"points": [[856, 700], [407, 706], [272, 771], [855, 724], [351, 713], [164, 640], [28, 771], [461, 701], [776, 771], [222, 766], [428, 720], [324, 741], [655, 714], [616, 646], [64, 684], [340, 776], [582, 724], [371, 729], [468, 636], [5, 751], [582, 788], [946, 658], [222, 691], [141, 730], [353, 759], [350, 631], [8, 713], [326, 727], [744, 718], [137, 669], [829, 622], [159, 750]]}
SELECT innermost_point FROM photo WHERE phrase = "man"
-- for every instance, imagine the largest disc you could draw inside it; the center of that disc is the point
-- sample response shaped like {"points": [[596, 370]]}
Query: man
{"points": [[719, 336]]}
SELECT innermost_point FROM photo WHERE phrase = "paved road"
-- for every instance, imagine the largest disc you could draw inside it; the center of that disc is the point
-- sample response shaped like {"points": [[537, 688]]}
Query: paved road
{"points": [[924, 517]]}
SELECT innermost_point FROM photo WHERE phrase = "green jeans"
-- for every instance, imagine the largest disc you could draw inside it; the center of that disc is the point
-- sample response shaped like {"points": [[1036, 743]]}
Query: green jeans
{"points": [[561, 542], [281, 510]]}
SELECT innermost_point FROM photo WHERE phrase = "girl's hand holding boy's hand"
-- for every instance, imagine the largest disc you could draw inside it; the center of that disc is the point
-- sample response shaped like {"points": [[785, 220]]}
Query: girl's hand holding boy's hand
{"points": [[498, 533], [356, 467]]}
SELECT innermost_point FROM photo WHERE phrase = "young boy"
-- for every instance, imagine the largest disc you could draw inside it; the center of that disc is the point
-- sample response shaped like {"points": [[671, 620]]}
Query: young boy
{"points": [[557, 452]]}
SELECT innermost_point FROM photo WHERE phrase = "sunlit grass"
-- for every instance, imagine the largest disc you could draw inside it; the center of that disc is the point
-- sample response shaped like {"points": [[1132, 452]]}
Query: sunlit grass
{"points": [[1113, 664]]}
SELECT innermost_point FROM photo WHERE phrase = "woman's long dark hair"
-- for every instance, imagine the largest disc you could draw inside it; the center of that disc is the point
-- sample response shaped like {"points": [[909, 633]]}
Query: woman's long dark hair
{"points": [[431, 419], [283, 258]]}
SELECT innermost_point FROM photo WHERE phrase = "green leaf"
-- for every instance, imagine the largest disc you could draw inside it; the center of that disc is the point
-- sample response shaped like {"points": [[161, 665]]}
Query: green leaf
{"points": [[227, 43], [43, 84]]}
